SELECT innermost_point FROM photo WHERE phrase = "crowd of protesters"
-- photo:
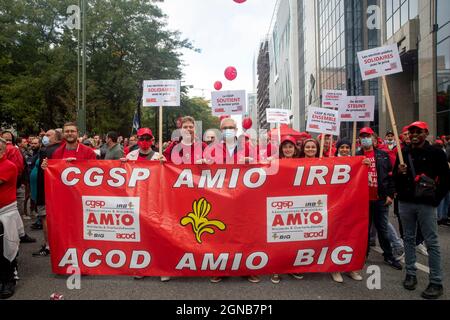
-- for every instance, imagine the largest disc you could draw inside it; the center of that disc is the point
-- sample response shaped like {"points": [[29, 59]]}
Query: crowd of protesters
{"points": [[419, 211]]}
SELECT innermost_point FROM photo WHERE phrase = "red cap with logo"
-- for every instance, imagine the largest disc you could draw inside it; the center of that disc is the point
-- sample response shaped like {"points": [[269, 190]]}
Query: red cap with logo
{"points": [[143, 131], [366, 130], [419, 124], [288, 139]]}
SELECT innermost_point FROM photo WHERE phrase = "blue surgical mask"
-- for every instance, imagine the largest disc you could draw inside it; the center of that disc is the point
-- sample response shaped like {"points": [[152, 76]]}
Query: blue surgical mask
{"points": [[45, 141], [367, 142], [229, 134]]}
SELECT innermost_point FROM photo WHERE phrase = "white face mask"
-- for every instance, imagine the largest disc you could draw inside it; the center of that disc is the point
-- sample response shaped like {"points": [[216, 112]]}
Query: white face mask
{"points": [[229, 134], [45, 141]]}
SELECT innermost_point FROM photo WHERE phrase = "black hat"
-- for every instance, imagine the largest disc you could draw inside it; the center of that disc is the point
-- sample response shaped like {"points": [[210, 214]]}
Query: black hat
{"points": [[343, 141]]}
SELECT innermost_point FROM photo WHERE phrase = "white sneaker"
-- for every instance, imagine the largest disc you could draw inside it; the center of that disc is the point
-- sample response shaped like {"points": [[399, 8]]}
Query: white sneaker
{"points": [[422, 250], [355, 276], [337, 277], [297, 276], [165, 279]]}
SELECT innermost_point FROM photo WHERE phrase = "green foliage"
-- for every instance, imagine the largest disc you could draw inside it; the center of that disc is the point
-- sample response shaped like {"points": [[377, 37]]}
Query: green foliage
{"points": [[127, 42]]}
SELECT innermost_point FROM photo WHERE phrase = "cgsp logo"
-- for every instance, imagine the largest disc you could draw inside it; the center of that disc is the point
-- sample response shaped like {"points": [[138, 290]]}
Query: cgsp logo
{"points": [[95, 204], [282, 204]]}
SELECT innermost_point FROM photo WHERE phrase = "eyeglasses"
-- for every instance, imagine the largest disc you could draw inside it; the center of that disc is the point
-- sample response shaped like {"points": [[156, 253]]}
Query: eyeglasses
{"points": [[229, 128], [145, 138]]}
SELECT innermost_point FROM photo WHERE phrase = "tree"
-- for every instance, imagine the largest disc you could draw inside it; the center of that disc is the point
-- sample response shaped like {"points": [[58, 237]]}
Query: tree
{"points": [[127, 42]]}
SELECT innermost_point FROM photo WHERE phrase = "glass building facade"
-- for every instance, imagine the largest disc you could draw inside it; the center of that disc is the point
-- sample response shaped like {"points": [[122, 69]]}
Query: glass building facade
{"points": [[398, 13], [343, 33], [443, 66]]}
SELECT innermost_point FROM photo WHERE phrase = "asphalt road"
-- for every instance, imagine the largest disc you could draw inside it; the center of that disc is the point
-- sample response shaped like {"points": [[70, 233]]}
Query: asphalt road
{"points": [[37, 282]]}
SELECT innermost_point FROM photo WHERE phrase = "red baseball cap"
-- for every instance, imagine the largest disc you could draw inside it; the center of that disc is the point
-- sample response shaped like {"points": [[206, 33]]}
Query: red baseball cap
{"points": [[405, 129], [144, 131], [288, 139], [419, 124], [366, 130], [439, 142]]}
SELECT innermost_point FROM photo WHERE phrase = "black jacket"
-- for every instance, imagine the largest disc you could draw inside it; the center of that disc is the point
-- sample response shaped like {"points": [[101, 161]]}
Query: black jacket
{"points": [[429, 161], [43, 153], [386, 187]]}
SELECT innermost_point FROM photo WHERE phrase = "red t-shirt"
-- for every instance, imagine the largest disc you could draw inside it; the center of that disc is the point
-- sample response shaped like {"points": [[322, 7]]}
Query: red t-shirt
{"points": [[82, 152], [373, 177], [8, 175]]}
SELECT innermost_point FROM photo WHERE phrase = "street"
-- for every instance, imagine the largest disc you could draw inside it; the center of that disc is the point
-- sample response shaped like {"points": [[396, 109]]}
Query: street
{"points": [[37, 282]]}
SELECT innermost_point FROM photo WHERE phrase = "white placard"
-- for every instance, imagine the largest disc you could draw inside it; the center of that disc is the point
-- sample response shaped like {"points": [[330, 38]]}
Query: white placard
{"points": [[161, 93], [359, 109], [332, 99], [321, 120], [228, 102], [381, 61], [278, 116]]}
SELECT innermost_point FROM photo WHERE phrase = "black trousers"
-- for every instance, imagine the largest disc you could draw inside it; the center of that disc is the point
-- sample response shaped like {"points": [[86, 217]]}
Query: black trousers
{"points": [[7, 268]]}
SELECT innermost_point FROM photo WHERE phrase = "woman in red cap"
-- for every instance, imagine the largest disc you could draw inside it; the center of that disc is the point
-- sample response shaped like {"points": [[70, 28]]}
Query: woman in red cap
{"points": [[288, 150]]}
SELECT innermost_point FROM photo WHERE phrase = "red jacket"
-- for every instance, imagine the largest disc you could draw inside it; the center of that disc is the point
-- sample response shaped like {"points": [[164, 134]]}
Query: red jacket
{"points": [[14, 155], [179, 153], [81, 153], [218, 153]]}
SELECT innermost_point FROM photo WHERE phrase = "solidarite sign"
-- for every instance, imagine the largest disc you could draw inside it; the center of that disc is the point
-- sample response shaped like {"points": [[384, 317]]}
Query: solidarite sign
{"points": [[153, 219]]}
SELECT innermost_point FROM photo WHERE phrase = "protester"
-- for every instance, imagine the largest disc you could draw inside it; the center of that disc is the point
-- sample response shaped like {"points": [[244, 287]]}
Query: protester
{"points": [[423, 165], [229, 151], [14, 155], [288, 150], [144, 151], [328, 150], [11, 225], [344, 149], [381, 192], [51, 142], [186, 149], [33, 173], [311, 149], [210, 137], [115, 150], [69, 150], [132, 145]]}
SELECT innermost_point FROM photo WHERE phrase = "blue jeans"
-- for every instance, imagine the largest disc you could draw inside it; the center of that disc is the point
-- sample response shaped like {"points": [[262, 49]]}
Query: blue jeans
{"points": [[379, 216], [443, 208], [425, 216], [395, 240]]}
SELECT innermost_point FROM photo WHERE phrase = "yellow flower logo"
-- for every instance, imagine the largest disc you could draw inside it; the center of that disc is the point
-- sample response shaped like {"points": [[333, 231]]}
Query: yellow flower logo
{"points": [[198, 219]]}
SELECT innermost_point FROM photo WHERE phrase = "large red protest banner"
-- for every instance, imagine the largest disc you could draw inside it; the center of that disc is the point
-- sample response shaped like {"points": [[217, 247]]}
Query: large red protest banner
{"points": [[152, 219]]}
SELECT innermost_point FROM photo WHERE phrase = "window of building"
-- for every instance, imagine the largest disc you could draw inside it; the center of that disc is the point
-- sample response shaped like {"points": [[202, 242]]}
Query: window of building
{"points": [[443, 67]]}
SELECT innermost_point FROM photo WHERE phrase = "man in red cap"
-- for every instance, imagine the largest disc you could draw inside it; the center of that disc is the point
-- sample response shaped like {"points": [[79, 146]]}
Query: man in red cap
{"points": [[381, 192], [144, 152], [425, 166]]}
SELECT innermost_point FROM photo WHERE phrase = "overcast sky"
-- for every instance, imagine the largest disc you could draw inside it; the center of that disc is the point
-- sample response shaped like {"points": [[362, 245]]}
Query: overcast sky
{"points": [[228, 34]]}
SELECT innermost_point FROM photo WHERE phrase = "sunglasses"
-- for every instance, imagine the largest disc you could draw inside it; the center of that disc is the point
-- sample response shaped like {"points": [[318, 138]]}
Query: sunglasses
{"points": [[145, 138]]}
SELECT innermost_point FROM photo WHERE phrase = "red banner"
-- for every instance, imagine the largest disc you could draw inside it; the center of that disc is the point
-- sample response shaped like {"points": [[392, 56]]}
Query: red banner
{"points": [[152, 219]]}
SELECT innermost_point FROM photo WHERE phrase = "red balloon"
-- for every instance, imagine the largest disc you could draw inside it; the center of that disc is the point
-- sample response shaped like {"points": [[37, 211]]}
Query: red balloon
{"points": [[247, 123], [218, 85], [239, 1], [230, 73]]}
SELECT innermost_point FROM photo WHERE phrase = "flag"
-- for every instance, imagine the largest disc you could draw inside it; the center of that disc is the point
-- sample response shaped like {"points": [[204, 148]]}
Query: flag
{"points": [[136, 124]]}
